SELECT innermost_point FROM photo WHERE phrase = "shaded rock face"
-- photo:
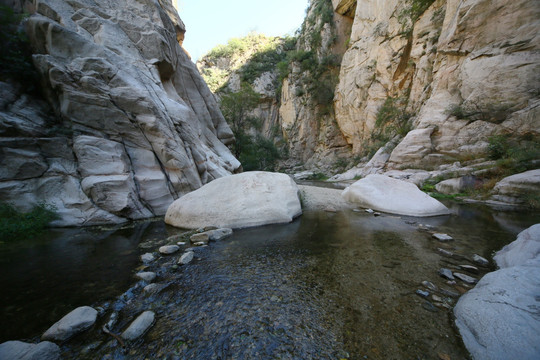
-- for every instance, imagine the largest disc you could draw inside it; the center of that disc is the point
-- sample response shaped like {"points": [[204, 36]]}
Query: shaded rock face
{"points": [[130, 125]]}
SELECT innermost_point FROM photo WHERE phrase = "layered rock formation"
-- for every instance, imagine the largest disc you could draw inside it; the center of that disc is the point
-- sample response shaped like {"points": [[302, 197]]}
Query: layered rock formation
{"points": [[129, 125]]}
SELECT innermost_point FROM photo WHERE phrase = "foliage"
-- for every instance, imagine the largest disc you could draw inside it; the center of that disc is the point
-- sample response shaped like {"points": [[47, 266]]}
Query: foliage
{"points": [[514, 155], [214, 77], [473, 112], [411, 12], [16, 225], [317, 177], [258, 153], [15, 52], [255, 153]]}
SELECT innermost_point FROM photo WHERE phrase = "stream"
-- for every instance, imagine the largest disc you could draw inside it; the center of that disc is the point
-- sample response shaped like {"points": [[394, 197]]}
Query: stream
{"points": [[326, 286]]}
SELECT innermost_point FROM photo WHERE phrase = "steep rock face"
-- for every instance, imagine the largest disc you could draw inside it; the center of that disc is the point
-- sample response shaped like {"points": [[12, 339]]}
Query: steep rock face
{"points": [[306, 112], [133, 126], [464, 69]]}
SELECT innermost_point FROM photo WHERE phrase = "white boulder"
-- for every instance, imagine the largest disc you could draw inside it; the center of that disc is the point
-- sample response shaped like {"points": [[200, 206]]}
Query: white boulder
{"points": [[516, 188], [380, 192], [238, 201], [526, 246], [76, 321], [499, 319]]}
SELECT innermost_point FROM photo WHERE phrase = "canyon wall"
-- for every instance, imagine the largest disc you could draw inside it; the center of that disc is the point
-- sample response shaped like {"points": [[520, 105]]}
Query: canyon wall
{"points": [[463, 70], [126, 124]]}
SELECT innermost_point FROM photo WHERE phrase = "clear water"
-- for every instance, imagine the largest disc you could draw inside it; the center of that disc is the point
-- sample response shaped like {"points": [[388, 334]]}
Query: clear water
{"points": [[327, 286]]}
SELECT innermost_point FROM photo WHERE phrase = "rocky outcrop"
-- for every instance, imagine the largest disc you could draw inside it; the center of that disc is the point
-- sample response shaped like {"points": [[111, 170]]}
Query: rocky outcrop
{"points": [[393, 196], [238, 201], [461, 79], [499, 318], [129, 124], [519, 188]]}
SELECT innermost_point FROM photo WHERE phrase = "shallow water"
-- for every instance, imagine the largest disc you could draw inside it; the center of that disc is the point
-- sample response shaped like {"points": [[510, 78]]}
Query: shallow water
{"points": [[327, 286]]}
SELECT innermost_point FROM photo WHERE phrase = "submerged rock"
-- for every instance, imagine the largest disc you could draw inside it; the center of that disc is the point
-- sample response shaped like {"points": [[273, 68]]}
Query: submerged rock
{"points": [[442, 237], [76, 321], [446, 273], [237, 201], [186, 258], [147, 258], [390, 195], [147, 276], [466, 278], [139, 326], [480, 260], [18, 350]]}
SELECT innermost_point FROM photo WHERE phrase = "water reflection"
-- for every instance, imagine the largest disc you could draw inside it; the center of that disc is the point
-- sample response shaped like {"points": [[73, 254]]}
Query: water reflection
{"points": [[327, 286]]}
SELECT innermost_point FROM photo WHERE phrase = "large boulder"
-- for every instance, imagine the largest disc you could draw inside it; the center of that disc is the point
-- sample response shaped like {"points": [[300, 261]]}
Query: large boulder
{"points": [[76, 321], [394, 196], [18, 350], [500, 317], [238, 201], [526, 246], [518, 188]]}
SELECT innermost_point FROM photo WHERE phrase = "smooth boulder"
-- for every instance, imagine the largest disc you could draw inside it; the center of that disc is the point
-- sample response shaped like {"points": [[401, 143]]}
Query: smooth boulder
{"points": [[238, 201], [394, 196], [500, 317], [526, 246], [76, 321], [139, 326], [18, 350]]}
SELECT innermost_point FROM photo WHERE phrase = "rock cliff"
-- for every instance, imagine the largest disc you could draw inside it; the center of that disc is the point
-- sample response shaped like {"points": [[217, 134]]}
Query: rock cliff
{"points": [[439, 88], [128, 124]]}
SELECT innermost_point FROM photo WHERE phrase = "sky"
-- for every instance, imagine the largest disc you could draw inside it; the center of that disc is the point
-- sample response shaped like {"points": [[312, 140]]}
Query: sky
{"points": [[213, 22]]}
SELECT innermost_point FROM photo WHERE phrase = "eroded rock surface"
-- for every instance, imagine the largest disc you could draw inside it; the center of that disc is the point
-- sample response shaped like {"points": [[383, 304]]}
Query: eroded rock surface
{"points": [[129, 126]]}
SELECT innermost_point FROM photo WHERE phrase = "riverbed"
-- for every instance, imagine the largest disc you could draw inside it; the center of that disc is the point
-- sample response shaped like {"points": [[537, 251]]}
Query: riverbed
{"points": [[330, 285]]}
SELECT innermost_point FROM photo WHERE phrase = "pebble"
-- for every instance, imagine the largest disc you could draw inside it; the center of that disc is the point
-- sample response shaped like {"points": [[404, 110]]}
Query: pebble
{"points": [[219, 234], [429, 306], [169, 249], [370, 211], [73, 323], [468, 279], [148, 258], [151, 288], [429, 285], [446, 273], [181, 243], [113, 319], [376, 214], [469, 268], [147, 276], [445, 252], [200, 243], [422, 293], [436, 298], [449, 292], [186, 258], [480, 260], [200, 238], [442, 237]]}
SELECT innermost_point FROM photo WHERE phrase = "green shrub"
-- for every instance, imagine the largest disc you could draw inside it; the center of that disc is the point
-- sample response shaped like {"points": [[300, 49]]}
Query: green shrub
{"points": [[16, 225], [15, 53]]}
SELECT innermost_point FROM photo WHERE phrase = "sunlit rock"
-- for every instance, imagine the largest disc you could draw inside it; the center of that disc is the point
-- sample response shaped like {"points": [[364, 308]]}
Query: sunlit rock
{"points": [[390, 195], [238, 201]]}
